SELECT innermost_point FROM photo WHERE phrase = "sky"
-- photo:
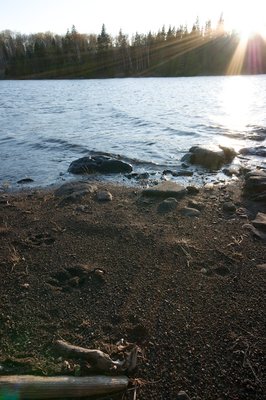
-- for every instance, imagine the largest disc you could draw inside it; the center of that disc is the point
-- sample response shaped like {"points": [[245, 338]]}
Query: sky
{"points": [[33, 16]]}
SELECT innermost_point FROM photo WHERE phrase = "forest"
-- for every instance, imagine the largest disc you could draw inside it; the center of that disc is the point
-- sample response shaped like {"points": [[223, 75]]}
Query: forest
{"points": [[172, 52]]}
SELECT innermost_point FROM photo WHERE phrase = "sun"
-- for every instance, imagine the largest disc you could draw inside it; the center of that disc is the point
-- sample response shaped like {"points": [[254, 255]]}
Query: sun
{"points": [[248, 19]]}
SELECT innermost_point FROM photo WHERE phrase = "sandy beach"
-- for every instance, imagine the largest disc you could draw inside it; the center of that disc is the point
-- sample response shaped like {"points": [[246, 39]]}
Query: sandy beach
{"points": [[94, 268]]}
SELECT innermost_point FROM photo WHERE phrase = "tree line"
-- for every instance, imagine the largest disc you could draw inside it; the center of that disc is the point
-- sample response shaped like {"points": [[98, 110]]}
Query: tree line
{"points": [[168, 52]]}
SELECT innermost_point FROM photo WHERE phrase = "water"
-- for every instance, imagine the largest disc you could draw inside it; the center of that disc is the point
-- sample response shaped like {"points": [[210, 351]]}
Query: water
{"points": [[150, 122]]}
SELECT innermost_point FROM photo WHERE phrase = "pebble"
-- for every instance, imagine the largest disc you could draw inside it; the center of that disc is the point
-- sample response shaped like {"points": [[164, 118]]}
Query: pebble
{"points": [[25, 285], [182, 395], [262, 267], [195, 204], [192, 190], [104, 195], [229, 206], [167, 205], [190, 212]]}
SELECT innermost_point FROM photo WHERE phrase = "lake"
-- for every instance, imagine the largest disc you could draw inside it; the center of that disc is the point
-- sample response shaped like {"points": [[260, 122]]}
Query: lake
{"points": [[150, 122]]}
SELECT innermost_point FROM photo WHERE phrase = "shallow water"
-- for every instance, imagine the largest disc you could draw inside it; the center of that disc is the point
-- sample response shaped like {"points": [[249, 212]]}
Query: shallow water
{"points": [[150, 122]]}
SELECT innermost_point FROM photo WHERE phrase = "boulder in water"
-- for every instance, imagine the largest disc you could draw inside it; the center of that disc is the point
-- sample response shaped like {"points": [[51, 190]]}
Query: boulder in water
{"points": [[259, 151], [99, 163], [211, 158]]}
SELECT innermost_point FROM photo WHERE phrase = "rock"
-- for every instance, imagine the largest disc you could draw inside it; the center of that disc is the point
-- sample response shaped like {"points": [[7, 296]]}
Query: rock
{"points": [[138, 177], [229, 206], [256, 232], [25, 180], [192, 190], [182, 172], [195, 204], [259, 151], [143, 176], [211, 158], [99, 272], [74, 187], [104, 195], [166, 189], [260, 221], [99, 163], [167, 205], [232, 170], [255, 185], [25, 286], [258, 134], [190, 212], [72, 192]]}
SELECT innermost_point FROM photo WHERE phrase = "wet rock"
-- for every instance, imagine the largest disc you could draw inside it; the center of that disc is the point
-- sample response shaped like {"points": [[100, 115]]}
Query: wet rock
{"points": [[211, 158], [99, 163], [182, 172], [259, 151], [138, 177], [167, 205], [229, 206], [232, 170], [104, 195], [166, 189], [190, 212], [143, 176], [258, 134], [25, 180]]}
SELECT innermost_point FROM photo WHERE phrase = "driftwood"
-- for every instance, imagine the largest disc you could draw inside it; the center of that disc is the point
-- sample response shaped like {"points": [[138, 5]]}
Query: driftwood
{"points": [[98, 359], [61, 387]]}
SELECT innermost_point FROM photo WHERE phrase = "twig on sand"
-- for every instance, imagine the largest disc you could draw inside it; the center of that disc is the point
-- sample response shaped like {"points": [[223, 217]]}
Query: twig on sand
{"points": [[247, 362]]}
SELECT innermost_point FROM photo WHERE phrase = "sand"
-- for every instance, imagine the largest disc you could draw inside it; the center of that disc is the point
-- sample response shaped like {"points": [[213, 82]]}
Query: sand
{"points": [[188, 290]]}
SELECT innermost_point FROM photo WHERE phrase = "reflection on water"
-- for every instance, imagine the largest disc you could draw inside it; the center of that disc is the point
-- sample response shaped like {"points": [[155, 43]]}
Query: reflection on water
{"points": [[237, 100], [152, 121]]}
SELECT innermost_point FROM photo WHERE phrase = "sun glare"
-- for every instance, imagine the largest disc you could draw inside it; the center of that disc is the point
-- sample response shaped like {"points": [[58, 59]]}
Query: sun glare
{"points": [[249, 19]]}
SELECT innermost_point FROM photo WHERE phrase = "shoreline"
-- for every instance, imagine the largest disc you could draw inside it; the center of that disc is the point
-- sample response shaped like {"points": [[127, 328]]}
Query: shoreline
{"points": [[187, 289]]}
